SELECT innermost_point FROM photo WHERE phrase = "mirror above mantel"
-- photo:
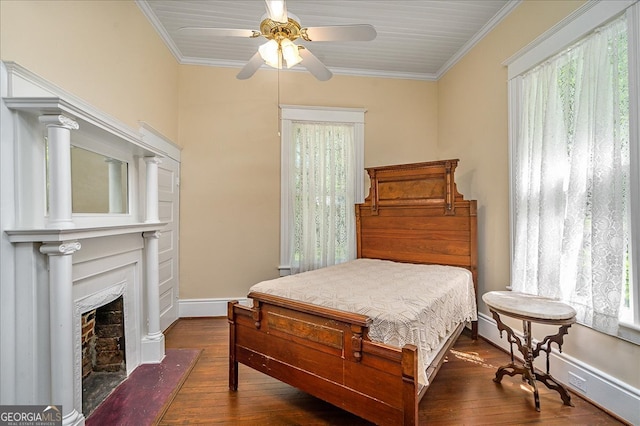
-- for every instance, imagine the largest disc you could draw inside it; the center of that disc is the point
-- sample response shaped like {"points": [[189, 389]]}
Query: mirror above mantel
{"points": [[95, 168], [98, 183]]}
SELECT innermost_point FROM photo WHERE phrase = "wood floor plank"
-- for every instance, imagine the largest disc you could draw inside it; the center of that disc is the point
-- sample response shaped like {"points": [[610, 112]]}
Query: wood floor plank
{"points": [[462, 393]]}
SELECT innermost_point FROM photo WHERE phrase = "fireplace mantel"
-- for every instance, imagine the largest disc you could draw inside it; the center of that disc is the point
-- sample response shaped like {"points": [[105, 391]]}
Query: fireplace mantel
{"points": [[49, 235], [56, 260]]}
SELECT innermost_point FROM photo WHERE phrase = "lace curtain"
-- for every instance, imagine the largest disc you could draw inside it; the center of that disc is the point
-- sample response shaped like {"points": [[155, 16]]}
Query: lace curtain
{"points": [[571, 195], [323, 201]]}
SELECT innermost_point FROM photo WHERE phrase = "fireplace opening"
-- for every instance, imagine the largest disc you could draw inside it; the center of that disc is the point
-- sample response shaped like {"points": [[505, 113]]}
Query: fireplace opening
{"points": [[103, 353]]}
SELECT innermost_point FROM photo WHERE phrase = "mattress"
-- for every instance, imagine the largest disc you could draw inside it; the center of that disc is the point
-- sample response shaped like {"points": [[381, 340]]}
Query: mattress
{"points": [[407, 303]]}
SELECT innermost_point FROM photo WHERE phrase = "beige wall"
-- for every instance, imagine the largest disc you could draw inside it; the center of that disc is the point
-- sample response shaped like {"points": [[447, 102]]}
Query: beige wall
{"points": [[107, 53], [104, 52], [230, 191], [472, 126]]}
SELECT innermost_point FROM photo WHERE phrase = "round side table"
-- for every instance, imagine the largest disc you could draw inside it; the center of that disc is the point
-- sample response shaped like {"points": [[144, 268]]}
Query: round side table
{"points": [[530, 308]]}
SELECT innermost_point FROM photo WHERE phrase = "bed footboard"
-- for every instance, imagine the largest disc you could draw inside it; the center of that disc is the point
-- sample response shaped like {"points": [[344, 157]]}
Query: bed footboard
{"points": [[325, 353]]}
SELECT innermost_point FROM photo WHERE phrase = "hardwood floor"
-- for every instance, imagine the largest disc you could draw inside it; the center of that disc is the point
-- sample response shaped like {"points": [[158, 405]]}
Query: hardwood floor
{"points": [[462, 393]]}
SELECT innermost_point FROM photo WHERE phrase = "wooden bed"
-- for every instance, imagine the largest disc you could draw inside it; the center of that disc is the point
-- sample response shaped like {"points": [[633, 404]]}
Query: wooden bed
{"points": [[414, 214]]}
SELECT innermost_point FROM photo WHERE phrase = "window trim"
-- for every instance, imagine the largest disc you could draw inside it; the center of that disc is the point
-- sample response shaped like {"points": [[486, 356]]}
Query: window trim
{"points": [[584, 20], [566, 32], [290, 113]]}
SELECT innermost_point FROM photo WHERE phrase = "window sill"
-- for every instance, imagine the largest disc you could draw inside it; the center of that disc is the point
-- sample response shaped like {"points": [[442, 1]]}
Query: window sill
{"points": [[629, 332], [284, 270]]}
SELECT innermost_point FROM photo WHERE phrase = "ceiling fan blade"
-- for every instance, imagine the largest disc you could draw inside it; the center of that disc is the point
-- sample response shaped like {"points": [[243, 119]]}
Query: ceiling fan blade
{"points": [[218, 32], [277, 10], [358, 32], [314, 66], [251, 67]]}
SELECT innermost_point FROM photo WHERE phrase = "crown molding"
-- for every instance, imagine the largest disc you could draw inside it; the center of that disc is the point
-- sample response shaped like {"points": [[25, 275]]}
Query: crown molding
{"points": [[155, 23], [336, 71], [486, 29], [384, 74]]}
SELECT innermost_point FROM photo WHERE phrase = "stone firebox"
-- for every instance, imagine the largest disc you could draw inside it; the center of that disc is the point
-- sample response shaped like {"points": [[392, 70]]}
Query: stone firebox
{"points": [[102, 339], [103, 352]]}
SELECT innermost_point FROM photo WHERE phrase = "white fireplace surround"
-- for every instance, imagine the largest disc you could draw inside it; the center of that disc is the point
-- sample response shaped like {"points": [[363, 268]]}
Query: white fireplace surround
{"points": [[56, 264], [101, 281]]}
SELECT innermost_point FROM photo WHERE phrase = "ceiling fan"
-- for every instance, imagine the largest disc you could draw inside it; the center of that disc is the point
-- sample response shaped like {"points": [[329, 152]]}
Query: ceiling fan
{"points": [[281, 29]]}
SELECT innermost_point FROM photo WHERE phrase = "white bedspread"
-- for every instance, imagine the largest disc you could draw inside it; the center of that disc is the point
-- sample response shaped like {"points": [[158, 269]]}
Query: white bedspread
{"points": [[408, 303]]}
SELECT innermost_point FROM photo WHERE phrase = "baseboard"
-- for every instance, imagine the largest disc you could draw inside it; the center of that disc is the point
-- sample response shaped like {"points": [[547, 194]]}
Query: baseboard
{"points": [[594, 385], [206, 307]]}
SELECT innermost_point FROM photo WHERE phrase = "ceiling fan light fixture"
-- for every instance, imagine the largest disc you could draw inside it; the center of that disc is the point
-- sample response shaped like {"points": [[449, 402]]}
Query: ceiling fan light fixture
{"points": [[290, 53], [282, 29], [269, 52]]}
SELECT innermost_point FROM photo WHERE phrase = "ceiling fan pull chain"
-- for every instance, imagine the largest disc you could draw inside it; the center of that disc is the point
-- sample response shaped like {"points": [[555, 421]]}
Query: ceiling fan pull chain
{"points": [[278, 105]]}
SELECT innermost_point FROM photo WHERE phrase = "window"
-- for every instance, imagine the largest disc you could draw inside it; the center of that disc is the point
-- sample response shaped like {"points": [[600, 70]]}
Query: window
{"points": [[322, 179], [574, 167]]}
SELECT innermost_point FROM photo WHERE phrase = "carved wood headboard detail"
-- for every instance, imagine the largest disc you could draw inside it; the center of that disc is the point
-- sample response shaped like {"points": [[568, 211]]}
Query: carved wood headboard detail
{"points": [[417, 183], [414, 213]]}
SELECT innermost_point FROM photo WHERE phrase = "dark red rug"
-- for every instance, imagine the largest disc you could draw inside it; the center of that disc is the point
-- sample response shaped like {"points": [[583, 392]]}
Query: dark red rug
{"points": [[145, 395]]}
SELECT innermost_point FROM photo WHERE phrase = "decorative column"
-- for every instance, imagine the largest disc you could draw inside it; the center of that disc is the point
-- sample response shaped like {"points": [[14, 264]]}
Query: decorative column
{"points": [[151, 214], [59, 137], [153, 342], [61, 327], [115, 186]]}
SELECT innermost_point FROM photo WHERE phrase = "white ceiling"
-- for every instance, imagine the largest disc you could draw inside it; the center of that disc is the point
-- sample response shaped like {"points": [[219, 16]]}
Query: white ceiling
{"points": [[417, 39]]}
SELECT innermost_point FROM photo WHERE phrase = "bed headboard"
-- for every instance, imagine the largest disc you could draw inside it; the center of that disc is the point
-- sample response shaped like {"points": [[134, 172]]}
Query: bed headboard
{"points": [[414, 213]]}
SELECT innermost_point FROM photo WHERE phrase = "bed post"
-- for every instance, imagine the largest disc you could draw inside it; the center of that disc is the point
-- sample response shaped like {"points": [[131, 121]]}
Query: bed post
{"points": [[373, 191], [358, 232], [409, 384], [473, 249], [233, 363]]}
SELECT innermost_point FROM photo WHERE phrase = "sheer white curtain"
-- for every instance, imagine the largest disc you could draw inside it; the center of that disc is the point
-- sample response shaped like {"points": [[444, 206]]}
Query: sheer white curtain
{"points": [[571, 186], [323, 200]]}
